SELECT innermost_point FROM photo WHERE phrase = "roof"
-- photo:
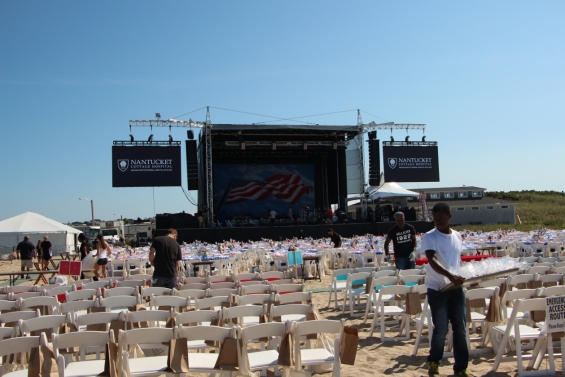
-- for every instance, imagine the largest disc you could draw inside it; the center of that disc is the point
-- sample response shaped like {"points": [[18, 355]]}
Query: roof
{"points": [[471, 202], [30, 222], [443, 189]]}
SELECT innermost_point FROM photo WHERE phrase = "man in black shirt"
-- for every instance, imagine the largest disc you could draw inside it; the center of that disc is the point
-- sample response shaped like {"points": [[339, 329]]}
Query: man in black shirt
{"points": [[26, 253], [165, 255], [46, 250], [403, 237], [334, 237]]}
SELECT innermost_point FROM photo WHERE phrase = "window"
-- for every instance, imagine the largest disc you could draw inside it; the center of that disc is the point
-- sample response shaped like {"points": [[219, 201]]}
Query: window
{"points": [[477, 194], [504, 207], [434, 195], [463, 194], [448, 195], [474, 208], [461, 208], [490, 207]]}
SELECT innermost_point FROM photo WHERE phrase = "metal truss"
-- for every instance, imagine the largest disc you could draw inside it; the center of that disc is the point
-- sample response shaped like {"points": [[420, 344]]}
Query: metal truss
{"points": [[146, 143], [409, 143], [286, 143], [393, 126], [166, 123], [208, 170]]}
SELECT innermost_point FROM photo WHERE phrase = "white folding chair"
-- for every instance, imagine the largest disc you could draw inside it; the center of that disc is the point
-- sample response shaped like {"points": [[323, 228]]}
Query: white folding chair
{"points": [[153, 338], [380, 311], [121, 291], [255, 289], [83, 294], [282, 289], [262, 359], [259, 299], [204, 362], [308, 357], [221, 292], [49, 303], [376, 285], [294, 298], [154, 318], [247, 315], [118, 303], [19, 345], [84, 340], [354, 289], [213, 303], [290, 312], [175, 302], [50, 323], [79, 307]]}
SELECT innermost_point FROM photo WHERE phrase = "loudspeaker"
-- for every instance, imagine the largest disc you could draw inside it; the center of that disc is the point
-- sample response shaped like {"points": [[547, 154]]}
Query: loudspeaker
{"points": [[190, 134], [374, 162], [191, 165]]}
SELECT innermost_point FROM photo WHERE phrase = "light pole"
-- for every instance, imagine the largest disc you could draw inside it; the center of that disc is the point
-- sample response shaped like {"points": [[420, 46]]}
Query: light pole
{"points": [[91, 208], [121, 224]]}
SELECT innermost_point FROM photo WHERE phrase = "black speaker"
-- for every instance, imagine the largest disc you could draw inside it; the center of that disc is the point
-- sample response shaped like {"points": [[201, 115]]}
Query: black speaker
{"points": [[374, 162], [191, 165], [190, 134]]}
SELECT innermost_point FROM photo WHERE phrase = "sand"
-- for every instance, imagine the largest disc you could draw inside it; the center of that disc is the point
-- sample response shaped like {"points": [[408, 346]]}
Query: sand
{"points": [[375, 357]]}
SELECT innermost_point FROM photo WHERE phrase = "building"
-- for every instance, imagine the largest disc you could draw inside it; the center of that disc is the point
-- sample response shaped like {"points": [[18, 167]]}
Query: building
{"points": [[469, 205]]}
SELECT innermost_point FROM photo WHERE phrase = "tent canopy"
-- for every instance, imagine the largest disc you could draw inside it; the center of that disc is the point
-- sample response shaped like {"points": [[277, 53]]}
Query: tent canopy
{"points": [[386, 190], [13, 230]]}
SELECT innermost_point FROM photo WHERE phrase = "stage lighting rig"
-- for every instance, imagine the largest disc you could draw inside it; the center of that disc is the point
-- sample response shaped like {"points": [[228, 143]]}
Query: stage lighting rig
{"points": [[150, 138], [391, 139], [407, 138], [424, 139], [131, 138], [170, 139]]}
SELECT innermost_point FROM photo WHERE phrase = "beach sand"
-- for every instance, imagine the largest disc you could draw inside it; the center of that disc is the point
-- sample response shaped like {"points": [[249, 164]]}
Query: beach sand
{"points": [[375, 357]]}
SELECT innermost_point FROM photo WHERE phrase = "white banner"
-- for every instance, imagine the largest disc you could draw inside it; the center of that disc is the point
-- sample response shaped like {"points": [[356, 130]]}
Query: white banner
{"points": [[555, 314]]}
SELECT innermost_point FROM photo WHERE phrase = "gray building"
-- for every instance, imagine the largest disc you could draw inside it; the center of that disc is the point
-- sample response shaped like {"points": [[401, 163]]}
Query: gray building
{"points": [[469, 206]]}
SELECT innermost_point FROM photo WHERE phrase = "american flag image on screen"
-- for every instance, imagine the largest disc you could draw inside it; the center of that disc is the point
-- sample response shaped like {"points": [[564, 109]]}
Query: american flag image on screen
{"points": [[285, 187]]}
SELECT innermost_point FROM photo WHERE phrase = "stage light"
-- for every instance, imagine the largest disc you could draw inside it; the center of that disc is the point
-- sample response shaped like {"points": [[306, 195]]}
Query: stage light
{"points": [[335, 145], [274, 146], [242, 146], [150, 139], [170, 139], [190, 134], [131, 138], [305, 146], [407, 138], [158, 115], [392, 139], [424, 139], [372, 135]]}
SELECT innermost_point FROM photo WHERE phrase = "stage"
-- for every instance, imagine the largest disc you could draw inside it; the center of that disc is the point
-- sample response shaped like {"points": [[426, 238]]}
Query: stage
{"points": [[256, 233]]}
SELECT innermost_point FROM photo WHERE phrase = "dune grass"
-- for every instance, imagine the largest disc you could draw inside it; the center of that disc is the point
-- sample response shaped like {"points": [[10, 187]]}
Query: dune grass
{"points": [[536, 209]]}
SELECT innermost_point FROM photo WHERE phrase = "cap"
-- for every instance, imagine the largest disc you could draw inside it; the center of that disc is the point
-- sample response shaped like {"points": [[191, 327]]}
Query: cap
{"points": [[100, 235]]}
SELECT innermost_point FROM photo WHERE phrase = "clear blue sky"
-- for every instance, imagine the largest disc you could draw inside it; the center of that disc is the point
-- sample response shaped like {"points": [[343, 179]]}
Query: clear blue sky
{"points": [[488, 79]]}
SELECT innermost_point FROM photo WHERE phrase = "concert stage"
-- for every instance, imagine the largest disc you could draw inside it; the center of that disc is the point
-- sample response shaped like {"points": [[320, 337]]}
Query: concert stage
{"points": [[212, 235]]}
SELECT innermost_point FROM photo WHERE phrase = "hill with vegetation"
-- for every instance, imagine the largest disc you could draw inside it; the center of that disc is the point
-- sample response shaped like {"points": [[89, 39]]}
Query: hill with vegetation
{"points": [[535, 209]]}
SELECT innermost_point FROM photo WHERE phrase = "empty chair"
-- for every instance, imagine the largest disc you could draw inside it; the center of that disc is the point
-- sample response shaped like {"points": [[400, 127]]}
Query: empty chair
{"points": [[519, 281], [97, 321], [219, 279], [7, 305], [200, 317], [259, 299], [121, 291], [202, 286], [354, 290], [413, 271], [376, 285], [154, 318], [247, 315], [222, 284], [381, 311], [146, 338], [83, 294], [204, 362], [255, 289], [294, 298], [282, 289], [280, 281], [212, 303], [411, 280], [192, 280], [536, 269], [117, 268], [51, 323], [118, 303], [221, 292], [130, 283], [175, 302], [135, 267], [50, 304], [19, 345], [83, 340], [369, 260], [16, 296], [308, 357], [146, 292], [290, 312], [97, 284], [260, 360], [551, 279], [59, 292], [78, 307], [11, 319], [271, 275], [507, 302], [242, 278], [192, 294]]}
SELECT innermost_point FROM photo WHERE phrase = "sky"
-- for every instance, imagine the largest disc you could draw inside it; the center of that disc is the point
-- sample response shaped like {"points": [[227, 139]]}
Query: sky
{"points": [[487, 78]]}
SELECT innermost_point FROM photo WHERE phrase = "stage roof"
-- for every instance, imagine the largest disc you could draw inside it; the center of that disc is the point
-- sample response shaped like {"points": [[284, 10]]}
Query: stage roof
{"points": [[353, 130]]}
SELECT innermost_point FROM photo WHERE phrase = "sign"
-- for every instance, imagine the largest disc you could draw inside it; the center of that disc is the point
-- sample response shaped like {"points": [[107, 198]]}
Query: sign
{"points": [[146, 166], [72, 268], [555, 314], [411, 163]]}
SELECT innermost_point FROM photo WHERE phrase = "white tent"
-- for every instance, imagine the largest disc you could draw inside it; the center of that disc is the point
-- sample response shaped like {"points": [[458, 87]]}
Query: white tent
{"points": [[13, 230], [386, 190]]}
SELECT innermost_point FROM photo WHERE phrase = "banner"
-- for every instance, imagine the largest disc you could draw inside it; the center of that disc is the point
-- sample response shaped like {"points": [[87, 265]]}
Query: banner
{"points": [[411, 164], [146, 166]]}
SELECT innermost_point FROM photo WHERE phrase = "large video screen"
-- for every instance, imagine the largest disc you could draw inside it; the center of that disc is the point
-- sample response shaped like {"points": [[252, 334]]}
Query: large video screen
{"points": [[146, 166], [411, 164], [253, 190]]}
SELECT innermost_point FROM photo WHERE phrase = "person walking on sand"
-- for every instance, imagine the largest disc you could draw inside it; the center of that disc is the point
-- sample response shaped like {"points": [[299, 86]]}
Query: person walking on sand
{"points": [[443, 247], [46, 250], [165, 255], [103, 250], [26, 253]]}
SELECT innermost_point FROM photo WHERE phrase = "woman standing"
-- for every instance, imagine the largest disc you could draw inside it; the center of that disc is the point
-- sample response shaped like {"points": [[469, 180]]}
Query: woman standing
{"points": [[39, 257], [102, 252]]}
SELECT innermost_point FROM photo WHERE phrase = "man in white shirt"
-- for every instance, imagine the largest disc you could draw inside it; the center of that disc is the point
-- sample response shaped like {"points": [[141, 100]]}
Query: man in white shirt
{"points": [[443, 249]]}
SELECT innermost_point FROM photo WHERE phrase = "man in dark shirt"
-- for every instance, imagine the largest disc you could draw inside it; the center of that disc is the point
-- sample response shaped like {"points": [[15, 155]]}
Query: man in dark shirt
{"points": [[403, 237], [165, 255], [334, 237], [26, 253], [46, 250]]}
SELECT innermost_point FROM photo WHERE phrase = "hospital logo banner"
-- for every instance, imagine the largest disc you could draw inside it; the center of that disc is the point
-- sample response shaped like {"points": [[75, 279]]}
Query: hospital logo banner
{"points": [[146, 166], [411, 163]]}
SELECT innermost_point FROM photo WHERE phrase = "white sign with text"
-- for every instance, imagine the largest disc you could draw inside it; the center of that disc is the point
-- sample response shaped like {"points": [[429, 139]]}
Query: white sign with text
{"points": [[555, 314]]}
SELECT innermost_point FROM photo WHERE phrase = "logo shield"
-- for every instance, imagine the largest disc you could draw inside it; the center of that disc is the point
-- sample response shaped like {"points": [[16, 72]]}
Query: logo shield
{"points": [[392, 163], [123, 165]]}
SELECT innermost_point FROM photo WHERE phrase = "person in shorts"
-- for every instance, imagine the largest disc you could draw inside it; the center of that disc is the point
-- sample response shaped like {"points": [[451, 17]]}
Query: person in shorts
{"points": [[26, 253], [165, 255], [103, 249], [46, 250]]}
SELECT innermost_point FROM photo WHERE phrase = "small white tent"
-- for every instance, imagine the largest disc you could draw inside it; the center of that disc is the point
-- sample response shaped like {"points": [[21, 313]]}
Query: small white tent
{"points": [[13, 230], [386, 190]]}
